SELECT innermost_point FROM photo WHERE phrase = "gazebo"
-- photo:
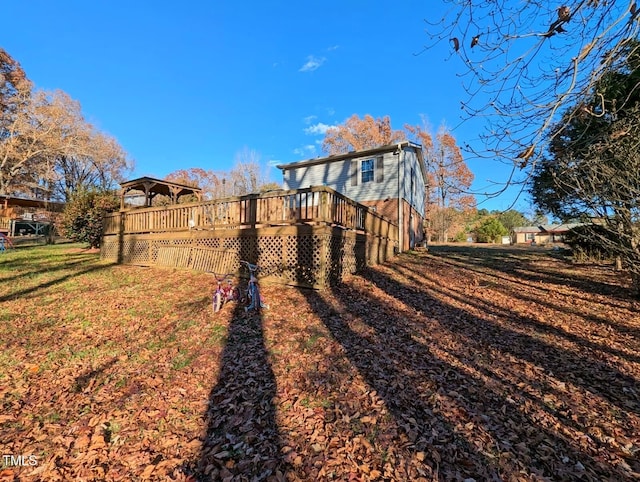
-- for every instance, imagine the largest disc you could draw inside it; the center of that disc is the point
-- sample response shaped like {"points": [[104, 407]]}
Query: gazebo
{"points": [[152, 187]]}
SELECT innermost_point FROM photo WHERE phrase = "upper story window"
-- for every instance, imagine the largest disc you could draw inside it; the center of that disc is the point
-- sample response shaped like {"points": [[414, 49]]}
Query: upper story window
{"points": [[367, 170]]}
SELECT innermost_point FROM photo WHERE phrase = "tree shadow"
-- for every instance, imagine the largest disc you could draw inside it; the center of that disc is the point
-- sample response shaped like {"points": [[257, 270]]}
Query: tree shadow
{"points": [[241, 439], [508, 260], [81, 382], [530, 323], [403, 349], [53, 282], [582, 367], [410, 392]]}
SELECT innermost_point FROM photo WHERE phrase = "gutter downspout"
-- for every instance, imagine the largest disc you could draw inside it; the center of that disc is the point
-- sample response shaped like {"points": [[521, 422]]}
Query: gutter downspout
{"points": [[400, 210]]}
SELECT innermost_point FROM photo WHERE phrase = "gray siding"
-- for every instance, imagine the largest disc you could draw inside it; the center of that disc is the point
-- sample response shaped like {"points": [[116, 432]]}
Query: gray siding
{"points": [[413, 192], [338, 175]]}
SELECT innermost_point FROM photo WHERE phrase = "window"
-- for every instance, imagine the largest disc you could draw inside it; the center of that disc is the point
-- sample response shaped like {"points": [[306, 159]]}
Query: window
{"points": [[530, 236], [367, 170]]}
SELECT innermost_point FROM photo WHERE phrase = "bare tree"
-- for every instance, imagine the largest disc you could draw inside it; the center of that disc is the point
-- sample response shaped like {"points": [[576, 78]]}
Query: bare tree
{"points": [[46, 144], [207, 180], [101, 162], [524, 61], [448, 200], [247, 176]]}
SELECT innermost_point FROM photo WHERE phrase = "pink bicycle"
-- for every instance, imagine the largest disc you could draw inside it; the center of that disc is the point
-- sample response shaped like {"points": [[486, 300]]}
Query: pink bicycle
{"points": [[224, 292]]}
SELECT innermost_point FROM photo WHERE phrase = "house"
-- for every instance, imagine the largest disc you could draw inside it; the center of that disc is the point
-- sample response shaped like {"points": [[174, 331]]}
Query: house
{"points": [[388, 179], [27, 216], [543, 234]]}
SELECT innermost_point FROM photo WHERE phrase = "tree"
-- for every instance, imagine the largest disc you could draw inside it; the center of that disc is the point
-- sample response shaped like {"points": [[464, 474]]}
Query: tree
{"points": [[448, 186], [247, 176], [358, 134], [14, 85], [33, 136], [511, 219], [592, 171], [46, 145], [83, 215], [207, 180], [525, 61], [490, 230], [101, 163]]}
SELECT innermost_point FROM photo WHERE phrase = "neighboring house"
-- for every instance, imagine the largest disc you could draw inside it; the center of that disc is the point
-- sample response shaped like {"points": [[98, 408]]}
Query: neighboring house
{"points": [[26, 216], [548, 233], [390, 179]]}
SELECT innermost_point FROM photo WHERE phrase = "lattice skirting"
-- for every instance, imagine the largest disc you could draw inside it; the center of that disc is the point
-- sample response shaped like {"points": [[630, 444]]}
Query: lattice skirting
{"points": [[310, 256]]}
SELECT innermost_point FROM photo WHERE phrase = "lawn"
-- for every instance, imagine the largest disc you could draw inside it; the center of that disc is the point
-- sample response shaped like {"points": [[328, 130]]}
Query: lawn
{"points": [[463, 363]]}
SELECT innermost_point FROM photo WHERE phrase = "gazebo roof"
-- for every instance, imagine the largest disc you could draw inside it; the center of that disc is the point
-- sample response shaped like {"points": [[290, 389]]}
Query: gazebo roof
{"points": [[151, 187]]}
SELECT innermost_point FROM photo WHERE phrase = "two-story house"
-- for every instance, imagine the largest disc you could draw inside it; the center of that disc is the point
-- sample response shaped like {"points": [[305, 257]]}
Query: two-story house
{"points": [[390, 179]]}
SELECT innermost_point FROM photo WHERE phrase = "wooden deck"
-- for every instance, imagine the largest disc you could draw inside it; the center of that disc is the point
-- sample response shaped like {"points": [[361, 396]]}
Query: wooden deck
{"points": [[308, 237]]}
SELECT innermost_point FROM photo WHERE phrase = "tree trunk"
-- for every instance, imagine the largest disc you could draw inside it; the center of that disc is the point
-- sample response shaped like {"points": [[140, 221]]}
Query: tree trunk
{"points": [[618, 263], [635, 284]]}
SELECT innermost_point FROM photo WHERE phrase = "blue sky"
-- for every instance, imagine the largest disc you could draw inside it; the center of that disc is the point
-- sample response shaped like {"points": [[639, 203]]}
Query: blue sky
{"points": [[191, 84]]}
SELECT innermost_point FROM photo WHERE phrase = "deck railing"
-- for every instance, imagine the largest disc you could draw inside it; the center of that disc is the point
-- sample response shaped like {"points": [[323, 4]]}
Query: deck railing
{"points": [[314, 205]]}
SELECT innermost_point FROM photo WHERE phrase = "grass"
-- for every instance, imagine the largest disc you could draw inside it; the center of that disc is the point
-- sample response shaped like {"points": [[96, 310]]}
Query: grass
{"points": [[463, 362]]}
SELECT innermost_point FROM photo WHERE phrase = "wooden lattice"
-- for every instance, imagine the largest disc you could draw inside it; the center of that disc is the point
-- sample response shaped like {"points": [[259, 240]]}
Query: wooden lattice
{"points": [[177, 256], [314, 256], [109, 248], [135, 251]]}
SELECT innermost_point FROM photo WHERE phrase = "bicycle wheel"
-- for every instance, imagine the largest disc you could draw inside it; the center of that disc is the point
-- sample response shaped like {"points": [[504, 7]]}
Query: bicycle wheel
{"points": [[217, 301], [254, 298]]}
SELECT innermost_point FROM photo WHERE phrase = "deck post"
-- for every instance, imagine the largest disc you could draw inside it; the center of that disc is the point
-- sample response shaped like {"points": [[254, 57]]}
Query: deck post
{"points": [[324, 207]]}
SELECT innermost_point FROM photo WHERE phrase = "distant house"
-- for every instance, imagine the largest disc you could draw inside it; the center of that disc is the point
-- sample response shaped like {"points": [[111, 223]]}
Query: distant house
{"points": [[390, 179], [548, 233], [26, 215]]}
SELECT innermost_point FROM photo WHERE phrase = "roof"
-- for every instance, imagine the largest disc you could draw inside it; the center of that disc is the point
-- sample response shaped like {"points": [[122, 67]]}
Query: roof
{"points": [[527, 229], [159, 186], [547, 228], [363, 153], [31, 203], [560, 228]]}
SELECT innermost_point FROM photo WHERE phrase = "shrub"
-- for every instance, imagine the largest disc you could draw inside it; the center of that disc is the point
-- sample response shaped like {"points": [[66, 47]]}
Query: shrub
{"points": [[590, 243], [490, 230], [461, 237], [82, 217]]}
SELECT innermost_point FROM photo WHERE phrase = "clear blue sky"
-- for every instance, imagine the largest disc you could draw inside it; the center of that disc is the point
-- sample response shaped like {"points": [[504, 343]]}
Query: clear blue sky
{"points": [[190, 84]]}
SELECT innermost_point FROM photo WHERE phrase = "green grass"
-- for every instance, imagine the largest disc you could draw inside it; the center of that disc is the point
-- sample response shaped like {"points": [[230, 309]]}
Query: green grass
{"points": [[182, 360]]}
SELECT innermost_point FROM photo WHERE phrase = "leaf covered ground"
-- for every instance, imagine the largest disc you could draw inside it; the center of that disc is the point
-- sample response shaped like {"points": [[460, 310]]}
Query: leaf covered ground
{"points": [[463, 363]]}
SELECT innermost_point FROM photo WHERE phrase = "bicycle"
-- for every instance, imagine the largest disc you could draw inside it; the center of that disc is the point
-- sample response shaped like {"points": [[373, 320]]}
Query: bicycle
{"points": [[5, 242], [223, 293], [255, 300]]}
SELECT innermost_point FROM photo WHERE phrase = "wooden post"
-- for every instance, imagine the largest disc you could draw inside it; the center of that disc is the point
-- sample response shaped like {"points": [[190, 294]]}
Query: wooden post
{"points": [[324, 207], [325, 243]]}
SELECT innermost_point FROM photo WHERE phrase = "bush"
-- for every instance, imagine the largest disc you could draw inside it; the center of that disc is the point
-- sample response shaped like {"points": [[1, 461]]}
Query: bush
{"points": [[490, 230], [82, 217], [590, 243], [461, 237]]}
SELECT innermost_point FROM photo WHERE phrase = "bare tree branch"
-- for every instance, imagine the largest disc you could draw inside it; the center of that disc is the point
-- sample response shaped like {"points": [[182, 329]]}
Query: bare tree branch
{"points": [[523, 62]]}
